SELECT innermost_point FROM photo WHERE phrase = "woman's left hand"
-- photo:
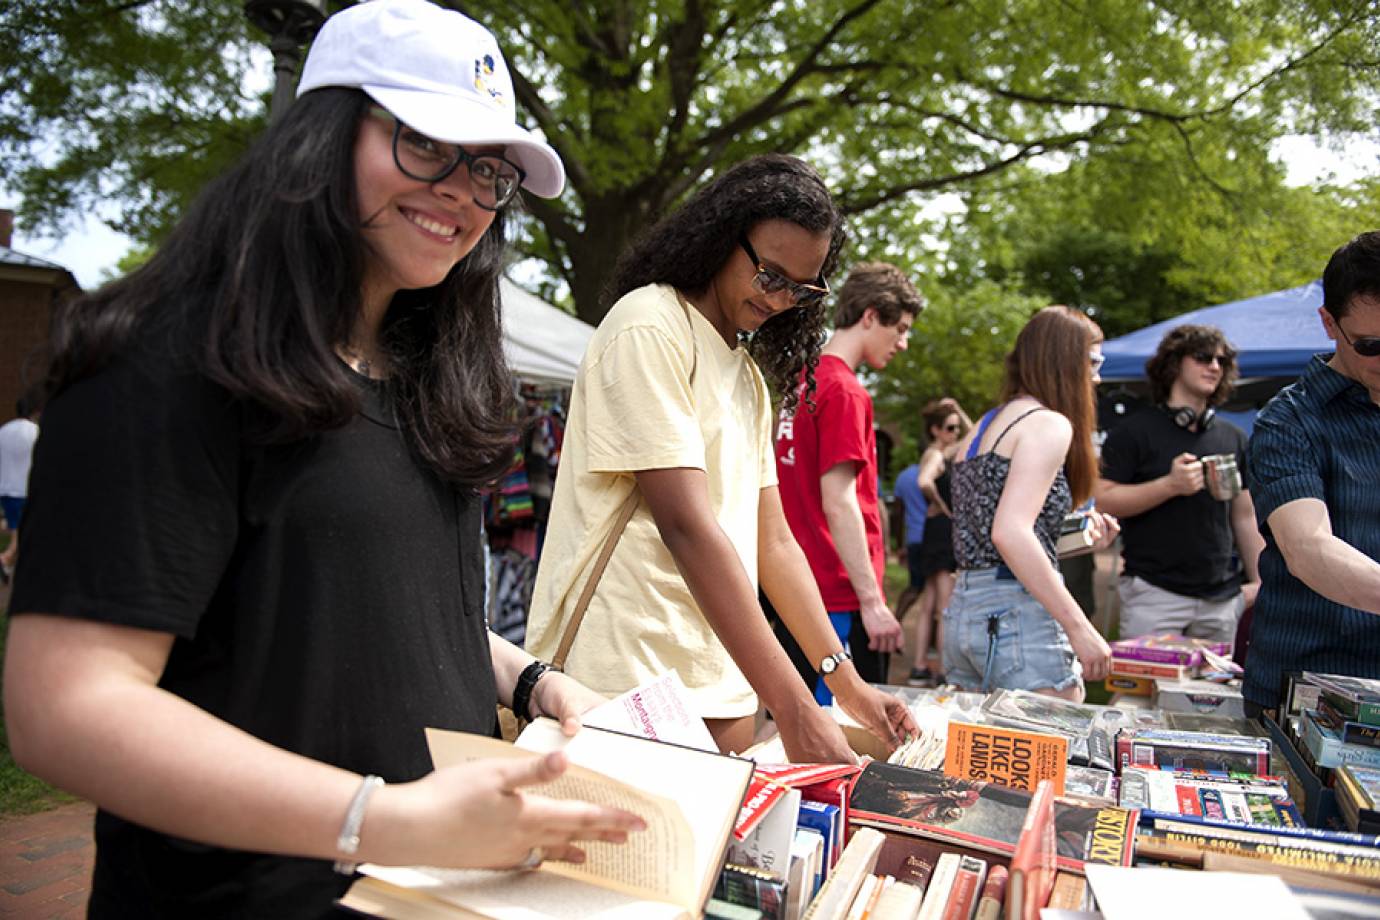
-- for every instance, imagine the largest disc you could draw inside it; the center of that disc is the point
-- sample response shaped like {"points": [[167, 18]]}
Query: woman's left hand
{"points": [[1104, 528], [563, 698], [884, 715]]}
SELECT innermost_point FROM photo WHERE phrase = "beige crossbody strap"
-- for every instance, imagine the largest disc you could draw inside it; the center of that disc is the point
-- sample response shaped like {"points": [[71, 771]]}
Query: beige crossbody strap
{"points": [[620, 523]]}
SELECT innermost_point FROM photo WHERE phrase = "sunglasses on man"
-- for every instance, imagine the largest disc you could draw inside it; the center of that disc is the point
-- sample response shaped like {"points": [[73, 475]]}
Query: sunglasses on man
{"points": [[1367, 346], [770, 281]]}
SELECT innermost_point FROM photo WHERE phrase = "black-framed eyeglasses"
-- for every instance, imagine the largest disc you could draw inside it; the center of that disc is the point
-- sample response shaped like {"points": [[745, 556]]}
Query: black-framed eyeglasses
{"points": [[1207, 357], [1367, 346], [494, 180], [770, 281]]}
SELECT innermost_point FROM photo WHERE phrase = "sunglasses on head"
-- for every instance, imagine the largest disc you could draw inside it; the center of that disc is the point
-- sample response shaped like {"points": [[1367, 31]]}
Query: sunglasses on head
{"points": [[770, 281], [1367, 346], [1207, 357]]}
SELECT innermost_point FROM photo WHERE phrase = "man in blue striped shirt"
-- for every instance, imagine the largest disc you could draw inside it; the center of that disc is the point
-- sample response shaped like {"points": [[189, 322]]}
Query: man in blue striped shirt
{"points": [[1315, 478]]}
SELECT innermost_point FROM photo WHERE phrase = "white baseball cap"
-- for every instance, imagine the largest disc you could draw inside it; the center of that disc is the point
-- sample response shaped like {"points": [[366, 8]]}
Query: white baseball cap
{"points": [[438, 72]]}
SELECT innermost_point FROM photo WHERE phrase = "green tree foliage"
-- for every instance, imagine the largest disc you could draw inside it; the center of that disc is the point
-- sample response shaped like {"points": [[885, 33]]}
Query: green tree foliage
{"points": [[136, 104], [894, 99], [957, 348]]}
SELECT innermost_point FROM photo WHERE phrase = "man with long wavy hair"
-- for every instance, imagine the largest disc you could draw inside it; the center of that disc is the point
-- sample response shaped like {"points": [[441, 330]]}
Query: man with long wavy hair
{"points": [[1180, 543]]}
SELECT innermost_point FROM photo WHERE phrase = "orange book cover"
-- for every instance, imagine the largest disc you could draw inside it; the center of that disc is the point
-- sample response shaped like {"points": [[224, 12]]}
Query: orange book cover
{"points": [[1033, 864], [1009, 756]]}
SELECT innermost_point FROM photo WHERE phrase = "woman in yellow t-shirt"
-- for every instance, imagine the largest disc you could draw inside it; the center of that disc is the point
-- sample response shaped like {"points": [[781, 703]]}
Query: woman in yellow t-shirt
{"points": [[671, 400]]}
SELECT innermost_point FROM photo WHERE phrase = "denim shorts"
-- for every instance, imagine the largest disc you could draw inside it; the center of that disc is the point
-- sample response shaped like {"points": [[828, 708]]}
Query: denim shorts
{"points": [[997, 636]]}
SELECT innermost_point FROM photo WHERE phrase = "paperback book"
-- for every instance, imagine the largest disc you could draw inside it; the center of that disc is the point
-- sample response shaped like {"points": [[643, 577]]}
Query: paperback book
{"points": [[1010, 756], [1181, 750], [1184, 842], [1325, 746], [689, 799], [986, 817], [1033, 864], [1037, 712], [1258, 800], [1168, 648], [1356, 698]]}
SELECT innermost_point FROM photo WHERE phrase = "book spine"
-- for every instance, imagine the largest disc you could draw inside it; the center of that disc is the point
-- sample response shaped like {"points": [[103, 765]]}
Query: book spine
{"points": [[993, 894], [963, 895], [1134, 667], [1360, 733]]}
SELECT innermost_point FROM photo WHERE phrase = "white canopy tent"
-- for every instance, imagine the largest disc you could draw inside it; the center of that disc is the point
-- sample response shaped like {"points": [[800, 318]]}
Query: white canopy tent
{"points": [[543, 344]]}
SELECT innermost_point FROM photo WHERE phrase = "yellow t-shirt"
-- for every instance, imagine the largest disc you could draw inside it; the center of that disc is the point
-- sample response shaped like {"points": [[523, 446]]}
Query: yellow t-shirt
{"points": [[635, 407]]}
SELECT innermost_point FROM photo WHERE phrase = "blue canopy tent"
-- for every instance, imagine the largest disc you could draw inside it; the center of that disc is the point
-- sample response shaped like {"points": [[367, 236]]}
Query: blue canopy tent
{"points": [[1275, 336]]}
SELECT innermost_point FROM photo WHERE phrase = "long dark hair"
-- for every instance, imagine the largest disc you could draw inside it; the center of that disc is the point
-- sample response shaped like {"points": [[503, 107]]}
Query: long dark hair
{"points": [[687, 248], [264, 272], [1050, 362]]}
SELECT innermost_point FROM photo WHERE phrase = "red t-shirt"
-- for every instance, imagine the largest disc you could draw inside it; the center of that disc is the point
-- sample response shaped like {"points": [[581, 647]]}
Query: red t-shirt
{"points": [[810, 443]]}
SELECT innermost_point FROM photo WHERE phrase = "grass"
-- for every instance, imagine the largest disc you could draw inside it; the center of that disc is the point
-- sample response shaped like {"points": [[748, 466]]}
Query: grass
{"points": [[20, 793]]}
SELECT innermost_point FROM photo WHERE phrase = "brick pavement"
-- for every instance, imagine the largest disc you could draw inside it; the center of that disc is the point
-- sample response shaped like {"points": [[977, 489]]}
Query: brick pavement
{"points": [[45, 863]]}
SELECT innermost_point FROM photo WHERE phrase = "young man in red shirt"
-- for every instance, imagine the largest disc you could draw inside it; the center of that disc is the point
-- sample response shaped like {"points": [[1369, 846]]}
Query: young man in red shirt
{"points": [[826, 460]]}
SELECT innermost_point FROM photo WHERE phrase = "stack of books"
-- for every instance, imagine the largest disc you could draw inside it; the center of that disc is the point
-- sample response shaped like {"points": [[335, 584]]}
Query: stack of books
{"points": [[1358, 791], [1138, 663]]}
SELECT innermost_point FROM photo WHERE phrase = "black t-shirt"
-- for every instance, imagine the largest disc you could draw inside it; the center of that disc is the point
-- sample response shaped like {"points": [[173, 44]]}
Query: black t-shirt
{"points": [[1185, 544], [326, 596]]}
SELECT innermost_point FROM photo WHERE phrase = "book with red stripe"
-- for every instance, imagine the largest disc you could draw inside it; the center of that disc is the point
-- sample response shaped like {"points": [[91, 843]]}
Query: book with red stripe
{"points": [[1033, 865]]}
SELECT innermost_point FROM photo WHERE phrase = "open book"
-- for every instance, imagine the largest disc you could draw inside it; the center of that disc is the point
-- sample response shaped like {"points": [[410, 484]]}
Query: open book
{"points": [[689, 799]]}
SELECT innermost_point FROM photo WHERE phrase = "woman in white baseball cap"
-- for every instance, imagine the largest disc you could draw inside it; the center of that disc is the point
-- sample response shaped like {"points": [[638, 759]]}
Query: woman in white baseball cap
{"points": [[252, 571]]}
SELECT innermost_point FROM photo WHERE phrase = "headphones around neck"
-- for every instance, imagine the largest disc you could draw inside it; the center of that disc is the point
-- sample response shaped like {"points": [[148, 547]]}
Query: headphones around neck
{"points": [[1184, 416]]}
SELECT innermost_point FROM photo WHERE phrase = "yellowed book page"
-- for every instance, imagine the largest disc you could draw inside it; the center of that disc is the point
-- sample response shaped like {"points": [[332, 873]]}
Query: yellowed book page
{"points": [[707, 787], [655, 864], [515, 895], [900, 901]]}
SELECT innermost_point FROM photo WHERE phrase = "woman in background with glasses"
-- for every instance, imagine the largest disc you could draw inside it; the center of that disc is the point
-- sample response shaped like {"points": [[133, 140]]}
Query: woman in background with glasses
{"points": [[671, 405], [252, 572], [945, 423], [1012, 623]]}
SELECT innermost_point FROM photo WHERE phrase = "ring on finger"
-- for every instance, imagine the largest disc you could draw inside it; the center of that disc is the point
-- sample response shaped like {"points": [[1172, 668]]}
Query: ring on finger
{"points": [[533, 859]]}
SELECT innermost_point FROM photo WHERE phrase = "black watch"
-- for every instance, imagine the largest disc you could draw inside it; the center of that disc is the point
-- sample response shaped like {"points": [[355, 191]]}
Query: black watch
{"points": [[526, 683], [831, 663]]}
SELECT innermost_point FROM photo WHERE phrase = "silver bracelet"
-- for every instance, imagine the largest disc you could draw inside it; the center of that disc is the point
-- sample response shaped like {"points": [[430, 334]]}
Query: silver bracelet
{"points": [[348, 841]]}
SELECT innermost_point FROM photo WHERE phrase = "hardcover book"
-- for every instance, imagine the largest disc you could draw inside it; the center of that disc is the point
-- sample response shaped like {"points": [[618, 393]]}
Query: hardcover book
{"points": [[1010, 756], [912, 859], [1033, 864], [1356, 698], [747, 886], [986, 817], [689, 799], [853, 868], [1169, 648], [969, 875]]}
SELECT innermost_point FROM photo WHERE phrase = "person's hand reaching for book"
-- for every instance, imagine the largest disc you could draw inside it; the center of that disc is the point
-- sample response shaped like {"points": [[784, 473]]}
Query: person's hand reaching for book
{"points": [[563, 698], [810, 735], [881, 713], [1092, 650], [483, 815]]}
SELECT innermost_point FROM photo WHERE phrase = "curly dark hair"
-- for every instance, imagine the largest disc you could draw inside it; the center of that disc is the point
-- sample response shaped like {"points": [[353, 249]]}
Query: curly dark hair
{"points": [[1353, 271], [687, 248], [1163, 367]]}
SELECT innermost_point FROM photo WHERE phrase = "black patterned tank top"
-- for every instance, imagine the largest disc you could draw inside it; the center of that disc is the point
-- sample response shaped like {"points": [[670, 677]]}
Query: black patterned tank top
{"points": [[977, 485]]}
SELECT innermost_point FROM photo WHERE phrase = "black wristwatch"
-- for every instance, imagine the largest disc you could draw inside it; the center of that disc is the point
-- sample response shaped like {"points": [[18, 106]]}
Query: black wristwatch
{"points": [[526, 683], [831, 663]]}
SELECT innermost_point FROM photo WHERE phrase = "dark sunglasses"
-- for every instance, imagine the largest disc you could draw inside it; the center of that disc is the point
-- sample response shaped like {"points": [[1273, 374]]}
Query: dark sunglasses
{"points": [[1367, 346], [494, 181], [770, 281], [1207, 357], [953, 427]]}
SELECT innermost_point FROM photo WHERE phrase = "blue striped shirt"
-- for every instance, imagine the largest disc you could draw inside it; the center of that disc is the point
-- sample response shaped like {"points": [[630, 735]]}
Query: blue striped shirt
{"points": [[1318, 438]]}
